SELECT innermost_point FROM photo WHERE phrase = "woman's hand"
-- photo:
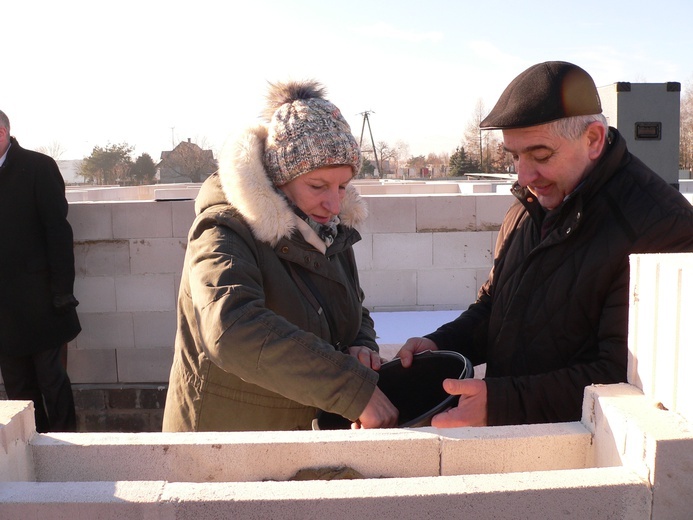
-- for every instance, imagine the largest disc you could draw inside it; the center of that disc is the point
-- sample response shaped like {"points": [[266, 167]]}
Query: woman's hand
{"points": [[366, 356], [379, 413]]}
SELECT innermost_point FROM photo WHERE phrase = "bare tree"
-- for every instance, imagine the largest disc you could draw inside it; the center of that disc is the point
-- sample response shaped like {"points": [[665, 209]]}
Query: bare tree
{"points": [[445, 164], [188, 161], [402, 149], [417, 162], [501, 161], [473, 136], [436, 163], [388, 157], [54, 150]]}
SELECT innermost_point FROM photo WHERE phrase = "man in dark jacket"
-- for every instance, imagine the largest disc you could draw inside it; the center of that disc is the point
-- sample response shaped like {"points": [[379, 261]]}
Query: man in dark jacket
{"points": [[552, 317], [37, 306]]}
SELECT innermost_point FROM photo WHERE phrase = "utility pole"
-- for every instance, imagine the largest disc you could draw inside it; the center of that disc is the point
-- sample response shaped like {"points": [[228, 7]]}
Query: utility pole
{"points": [[366, 120], [481, 152]]}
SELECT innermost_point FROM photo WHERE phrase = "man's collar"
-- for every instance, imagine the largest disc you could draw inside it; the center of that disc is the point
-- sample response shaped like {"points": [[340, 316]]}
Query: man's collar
{"points": [[4, 156]]}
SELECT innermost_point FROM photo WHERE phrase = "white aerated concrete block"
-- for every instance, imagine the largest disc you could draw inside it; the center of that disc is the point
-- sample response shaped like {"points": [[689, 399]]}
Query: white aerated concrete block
{"points": [[445, 213], [95, 294], [233, 456], [95, 366], [446, 288], [91, 221], [363, 251], [491, 209], [389, 289], [463, 249], [156, 255], [630, 429], [183, 215], [154, 329], [580, 495], [506, 449], [17, 428], [75, 500], [142, 220], [109, 330], [146, 292], [102, 258], [402, 251], [660, 333], [144, 365], [390, 215]]}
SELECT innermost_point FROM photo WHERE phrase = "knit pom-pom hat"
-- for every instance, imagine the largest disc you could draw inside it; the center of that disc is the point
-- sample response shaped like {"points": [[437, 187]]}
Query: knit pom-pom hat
{"points": [[305, 132]]}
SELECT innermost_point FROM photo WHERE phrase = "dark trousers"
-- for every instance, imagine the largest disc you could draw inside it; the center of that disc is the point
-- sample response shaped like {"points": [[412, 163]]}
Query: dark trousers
{"points": [[42, 378]]}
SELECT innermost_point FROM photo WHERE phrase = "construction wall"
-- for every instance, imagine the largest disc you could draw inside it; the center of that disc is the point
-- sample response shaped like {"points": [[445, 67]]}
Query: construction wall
{"points": [[420, 251]]}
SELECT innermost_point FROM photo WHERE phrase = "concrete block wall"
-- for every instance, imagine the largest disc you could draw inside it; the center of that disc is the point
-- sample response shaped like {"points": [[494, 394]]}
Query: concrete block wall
{"points": [[535, 471], [660, 333], [130, 193], [428, 252], [629, 457], [279, 456], [631, 429], [128, 260], [419, 252], [17, 429]]}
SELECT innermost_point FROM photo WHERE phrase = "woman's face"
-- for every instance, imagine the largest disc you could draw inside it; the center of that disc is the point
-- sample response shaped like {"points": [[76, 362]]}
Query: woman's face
{"points": [[319, 193]]}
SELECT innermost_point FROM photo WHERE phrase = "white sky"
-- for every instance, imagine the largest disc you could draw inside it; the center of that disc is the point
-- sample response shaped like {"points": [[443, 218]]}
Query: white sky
{"points": [[149, 72]]}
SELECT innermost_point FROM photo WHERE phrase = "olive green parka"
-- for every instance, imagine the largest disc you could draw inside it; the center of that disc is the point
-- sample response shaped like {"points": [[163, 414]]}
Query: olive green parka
{"points": [[264, 316]]}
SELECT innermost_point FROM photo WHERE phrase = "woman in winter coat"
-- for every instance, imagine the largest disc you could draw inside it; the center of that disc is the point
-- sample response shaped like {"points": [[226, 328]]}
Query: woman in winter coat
{"points": [[271, 325]]}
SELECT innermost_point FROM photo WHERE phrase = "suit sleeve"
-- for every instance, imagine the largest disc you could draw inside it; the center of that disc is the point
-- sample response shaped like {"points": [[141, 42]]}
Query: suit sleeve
{"points": [[52, 207]]}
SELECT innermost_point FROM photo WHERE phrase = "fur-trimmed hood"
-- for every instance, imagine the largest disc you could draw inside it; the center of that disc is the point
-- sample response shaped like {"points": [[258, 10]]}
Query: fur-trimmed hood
{"points": [[246, 186]]}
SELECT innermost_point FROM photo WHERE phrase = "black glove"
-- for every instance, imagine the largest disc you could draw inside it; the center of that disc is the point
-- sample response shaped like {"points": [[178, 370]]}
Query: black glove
{"points": [[62, 303]]}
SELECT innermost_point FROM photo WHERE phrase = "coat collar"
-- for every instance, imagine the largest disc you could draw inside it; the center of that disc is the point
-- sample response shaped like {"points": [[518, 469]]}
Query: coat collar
{"points": [[249, 190], [12, 147]]}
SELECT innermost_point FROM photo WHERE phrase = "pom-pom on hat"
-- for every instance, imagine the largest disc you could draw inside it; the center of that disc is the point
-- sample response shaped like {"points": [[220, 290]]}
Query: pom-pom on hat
{"points": [[305, 132], [543, 93]]}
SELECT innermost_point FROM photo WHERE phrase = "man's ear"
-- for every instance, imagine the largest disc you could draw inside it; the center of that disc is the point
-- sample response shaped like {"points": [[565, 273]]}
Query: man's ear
{"points": [[596, 136]]}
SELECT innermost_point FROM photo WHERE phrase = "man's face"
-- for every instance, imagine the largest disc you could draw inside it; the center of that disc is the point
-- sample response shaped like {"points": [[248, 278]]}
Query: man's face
{"points": [[4, 140], [550, 167]]}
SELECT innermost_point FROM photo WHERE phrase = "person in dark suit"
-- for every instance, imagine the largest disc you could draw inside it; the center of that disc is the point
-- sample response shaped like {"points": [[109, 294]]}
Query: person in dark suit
{"points": [[37, 305]]}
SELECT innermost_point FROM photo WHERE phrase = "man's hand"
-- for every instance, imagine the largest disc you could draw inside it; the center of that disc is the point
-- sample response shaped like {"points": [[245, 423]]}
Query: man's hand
{"points": [[471, 409], [414, 346], [379, 413], [62, 303], [366, 356]]}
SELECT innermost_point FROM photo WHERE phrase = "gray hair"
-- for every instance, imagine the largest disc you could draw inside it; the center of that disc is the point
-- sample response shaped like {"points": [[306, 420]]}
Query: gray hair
{"points": [[4, 120], [572, 128]]}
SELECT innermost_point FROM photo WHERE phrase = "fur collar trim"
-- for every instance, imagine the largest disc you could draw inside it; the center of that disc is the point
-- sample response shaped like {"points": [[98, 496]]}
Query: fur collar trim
{"points": [[248, 188]]}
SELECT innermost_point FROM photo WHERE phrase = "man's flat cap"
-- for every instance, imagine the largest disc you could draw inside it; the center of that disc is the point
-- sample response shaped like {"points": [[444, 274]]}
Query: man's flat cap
{"points": [[543, 93]]}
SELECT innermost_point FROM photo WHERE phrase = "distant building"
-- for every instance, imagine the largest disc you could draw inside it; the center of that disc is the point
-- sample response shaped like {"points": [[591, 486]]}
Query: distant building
{"points": [[69, 169], [187, 162]]}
